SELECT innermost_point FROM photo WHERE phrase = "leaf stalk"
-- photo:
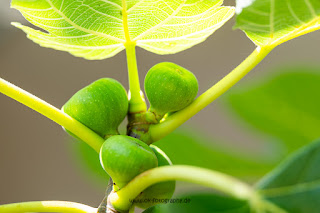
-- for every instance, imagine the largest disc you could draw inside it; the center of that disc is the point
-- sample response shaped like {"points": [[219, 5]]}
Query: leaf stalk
{"points": [[137, 103]]}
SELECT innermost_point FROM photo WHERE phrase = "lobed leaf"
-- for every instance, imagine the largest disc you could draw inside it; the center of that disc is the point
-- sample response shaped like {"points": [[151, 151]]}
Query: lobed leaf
{"points": [[98, 29], [295, 184], [272, 22]]}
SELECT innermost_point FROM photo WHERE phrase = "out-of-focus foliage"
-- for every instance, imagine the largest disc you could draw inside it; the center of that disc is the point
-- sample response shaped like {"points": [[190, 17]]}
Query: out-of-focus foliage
{"points": [[192, 147], [284, 106], [295, 184]]}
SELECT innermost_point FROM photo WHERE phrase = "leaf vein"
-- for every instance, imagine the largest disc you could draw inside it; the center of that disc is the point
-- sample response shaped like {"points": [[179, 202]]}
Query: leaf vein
{"points": [[312, 11], [83, 29], [294, 15], [160, 24]]}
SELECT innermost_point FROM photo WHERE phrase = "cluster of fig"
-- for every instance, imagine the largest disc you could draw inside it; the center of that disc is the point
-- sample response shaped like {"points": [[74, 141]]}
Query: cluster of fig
{"points": [[103, 105]]}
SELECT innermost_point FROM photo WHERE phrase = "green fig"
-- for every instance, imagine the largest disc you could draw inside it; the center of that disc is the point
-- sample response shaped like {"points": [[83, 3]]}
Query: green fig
{"points": [[155, 193], [169, 88], [101, 106], [124, 157]]}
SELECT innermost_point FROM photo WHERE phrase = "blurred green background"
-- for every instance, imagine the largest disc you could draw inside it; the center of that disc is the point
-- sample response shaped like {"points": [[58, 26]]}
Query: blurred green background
{"points": [[272, 112]]}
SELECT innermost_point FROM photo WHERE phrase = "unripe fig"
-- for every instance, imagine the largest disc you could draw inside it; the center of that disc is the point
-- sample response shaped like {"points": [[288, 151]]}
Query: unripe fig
{"points": [[101, 106], [169, 88], [155, 193], [124, 157]]}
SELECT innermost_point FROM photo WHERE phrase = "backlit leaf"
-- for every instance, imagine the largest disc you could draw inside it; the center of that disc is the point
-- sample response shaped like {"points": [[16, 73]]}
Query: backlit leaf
{"points": [[98, 29], [272, 22]]}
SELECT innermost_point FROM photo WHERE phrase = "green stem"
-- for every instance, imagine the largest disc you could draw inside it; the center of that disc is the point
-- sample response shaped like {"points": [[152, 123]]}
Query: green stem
{"points": [[136, 103], [74, 126], [216, 180], [47, 206], [160, 130]]}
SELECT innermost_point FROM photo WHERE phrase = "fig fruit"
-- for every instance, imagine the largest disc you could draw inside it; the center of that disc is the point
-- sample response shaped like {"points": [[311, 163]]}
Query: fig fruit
{"points": [[124, 157], [169, 88], [155, 193], [101, 106]]}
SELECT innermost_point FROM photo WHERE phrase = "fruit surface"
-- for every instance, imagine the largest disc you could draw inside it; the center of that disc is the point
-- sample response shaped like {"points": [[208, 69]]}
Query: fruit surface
{"points": [[124, 157], [101, 106], [158, 191], [169, 88]]}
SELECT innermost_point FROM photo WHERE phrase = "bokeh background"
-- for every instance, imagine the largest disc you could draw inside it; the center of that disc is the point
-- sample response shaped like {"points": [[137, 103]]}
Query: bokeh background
{"points": [[36, 158]]}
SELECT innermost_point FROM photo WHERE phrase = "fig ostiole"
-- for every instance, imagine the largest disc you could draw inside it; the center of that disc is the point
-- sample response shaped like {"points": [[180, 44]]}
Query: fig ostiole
{"points": [[101, 106], [124, 157], [157, 192], [169, 88]]}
